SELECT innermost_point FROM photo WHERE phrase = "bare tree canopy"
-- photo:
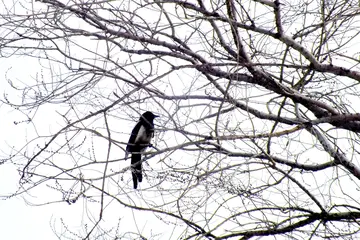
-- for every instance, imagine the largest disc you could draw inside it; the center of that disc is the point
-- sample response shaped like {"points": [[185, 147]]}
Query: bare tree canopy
{"points": [[259, 124]]}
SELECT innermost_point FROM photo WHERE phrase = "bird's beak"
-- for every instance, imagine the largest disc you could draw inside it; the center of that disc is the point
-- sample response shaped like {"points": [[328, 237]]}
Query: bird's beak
{"points": [[156, 116]]}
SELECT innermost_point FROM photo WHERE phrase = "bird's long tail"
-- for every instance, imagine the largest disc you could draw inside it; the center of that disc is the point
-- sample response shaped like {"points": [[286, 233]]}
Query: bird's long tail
{"points": [[136, 168]]}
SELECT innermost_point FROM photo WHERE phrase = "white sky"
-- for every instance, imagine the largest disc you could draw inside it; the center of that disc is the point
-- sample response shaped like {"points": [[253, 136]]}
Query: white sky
{"points": [[18, 220]]}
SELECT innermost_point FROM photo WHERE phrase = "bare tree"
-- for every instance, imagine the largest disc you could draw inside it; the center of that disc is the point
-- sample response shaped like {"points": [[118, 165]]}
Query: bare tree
{"points": [[259, 126]]}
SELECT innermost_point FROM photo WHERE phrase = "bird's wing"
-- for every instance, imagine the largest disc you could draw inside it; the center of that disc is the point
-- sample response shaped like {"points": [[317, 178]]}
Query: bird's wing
{"points": [[132, 138]]}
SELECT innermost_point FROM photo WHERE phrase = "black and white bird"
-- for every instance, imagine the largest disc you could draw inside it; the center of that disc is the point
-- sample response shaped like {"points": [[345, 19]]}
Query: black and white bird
{"points": [[139, 140]]}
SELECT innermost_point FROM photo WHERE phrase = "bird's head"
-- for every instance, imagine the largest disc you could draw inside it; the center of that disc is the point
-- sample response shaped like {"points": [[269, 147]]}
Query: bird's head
{"points": [[149, 116]]}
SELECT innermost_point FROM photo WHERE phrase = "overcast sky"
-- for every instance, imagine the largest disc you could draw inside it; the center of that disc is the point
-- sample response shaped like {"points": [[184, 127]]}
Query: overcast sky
{"points": [[18, 221]]}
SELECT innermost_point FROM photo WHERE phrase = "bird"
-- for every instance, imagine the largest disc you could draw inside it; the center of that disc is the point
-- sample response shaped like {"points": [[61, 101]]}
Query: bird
{"points": [[139, 140]]}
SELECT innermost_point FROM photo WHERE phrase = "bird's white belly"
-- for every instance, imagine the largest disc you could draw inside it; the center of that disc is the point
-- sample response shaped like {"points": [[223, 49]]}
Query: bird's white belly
{"points": [[143, 136]]}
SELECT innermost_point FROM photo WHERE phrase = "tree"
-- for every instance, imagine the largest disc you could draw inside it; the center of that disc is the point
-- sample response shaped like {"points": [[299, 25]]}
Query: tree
{"points": [[259, 126]]}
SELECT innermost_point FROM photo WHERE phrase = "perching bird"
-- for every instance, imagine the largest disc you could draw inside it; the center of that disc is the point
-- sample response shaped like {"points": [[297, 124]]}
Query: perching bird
{"points": [[140, 139]]}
